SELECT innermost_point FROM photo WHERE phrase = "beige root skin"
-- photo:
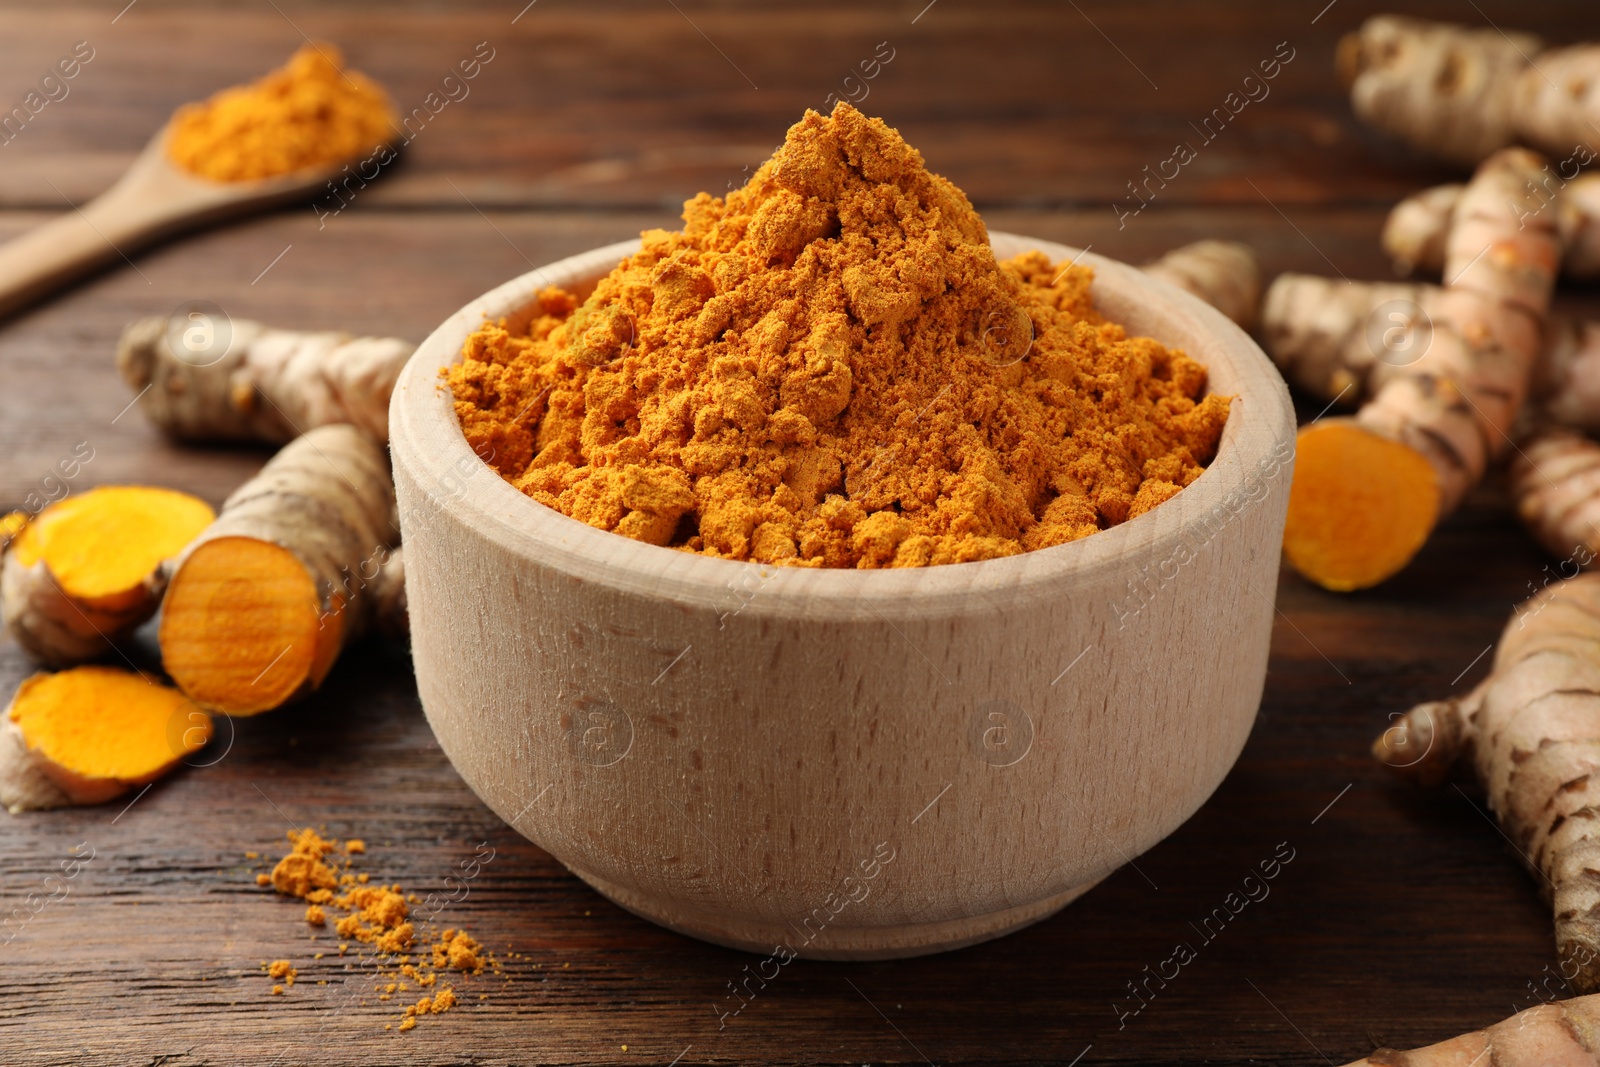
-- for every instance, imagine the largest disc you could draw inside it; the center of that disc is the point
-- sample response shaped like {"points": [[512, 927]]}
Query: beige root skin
{"points": [[1464, 93], [1451, 397], [1326, 335], [1225, 274], [23, 784], [1532, 731], [1317, 330], [389, 610], [269, 385], [59, 630], [1415, 231], [1445, 89], [1566, 384], [1555, 483], [1562, 1034], [262, 603]]}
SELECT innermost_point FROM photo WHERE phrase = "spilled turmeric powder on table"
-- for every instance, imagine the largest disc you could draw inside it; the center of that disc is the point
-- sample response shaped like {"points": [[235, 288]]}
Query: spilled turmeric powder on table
{"points": [[379, 916], [829, 368], [309, 113]]}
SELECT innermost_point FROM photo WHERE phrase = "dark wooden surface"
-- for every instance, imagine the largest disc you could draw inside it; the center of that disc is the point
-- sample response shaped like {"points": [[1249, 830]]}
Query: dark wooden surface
{"points": [[1403, 918]]}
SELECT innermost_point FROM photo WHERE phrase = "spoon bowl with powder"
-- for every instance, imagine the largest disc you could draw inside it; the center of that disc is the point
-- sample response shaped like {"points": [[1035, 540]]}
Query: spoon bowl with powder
{"points": [[248, 149], [892, 723]]}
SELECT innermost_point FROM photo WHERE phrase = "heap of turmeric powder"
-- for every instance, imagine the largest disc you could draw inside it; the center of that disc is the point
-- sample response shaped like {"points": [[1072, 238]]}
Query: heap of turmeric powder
{"points": [[829, 368], [315, 870], [309, 113]]}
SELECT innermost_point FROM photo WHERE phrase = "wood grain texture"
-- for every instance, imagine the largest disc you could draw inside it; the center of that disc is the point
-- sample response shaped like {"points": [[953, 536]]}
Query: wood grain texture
{"points": [[1402, 919], [741, 752]]}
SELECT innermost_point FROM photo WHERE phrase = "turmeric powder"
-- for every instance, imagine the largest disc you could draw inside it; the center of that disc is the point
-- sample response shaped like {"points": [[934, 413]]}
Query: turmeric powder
{"points": [[315, 870], [309, 113], [829, 368]]}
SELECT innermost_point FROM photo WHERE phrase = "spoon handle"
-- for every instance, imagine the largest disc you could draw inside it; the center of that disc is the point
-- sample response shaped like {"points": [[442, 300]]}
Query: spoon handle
{"points": [[67, 247]]}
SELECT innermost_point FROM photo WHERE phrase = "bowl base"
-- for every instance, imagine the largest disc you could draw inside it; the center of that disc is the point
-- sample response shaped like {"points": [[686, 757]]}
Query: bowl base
{"points": [[833, 942]]}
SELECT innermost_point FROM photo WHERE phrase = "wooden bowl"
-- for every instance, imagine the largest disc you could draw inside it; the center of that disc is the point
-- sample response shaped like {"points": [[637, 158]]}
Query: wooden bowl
{"points": [[844, 764]]}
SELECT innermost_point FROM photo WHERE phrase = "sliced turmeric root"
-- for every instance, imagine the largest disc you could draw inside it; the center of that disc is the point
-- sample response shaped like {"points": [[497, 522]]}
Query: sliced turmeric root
{"points": [[1360, 507], [298, 563], [86, 735], [1447, 398], [88, 570], [11, 524], [262, 637]]}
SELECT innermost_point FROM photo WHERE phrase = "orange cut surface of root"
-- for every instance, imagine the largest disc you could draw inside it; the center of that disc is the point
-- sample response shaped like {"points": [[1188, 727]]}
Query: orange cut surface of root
{"points": [[101, 729], [243, 629], [1360, 507], [106, 542], [12, 524]]}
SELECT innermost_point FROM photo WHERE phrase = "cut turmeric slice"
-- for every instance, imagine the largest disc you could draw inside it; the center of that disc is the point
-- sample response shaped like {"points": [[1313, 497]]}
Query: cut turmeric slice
{"points": [[88, 570], [301, 560], [86, 735], [1360, 507], [11, 524], [243, 630]]}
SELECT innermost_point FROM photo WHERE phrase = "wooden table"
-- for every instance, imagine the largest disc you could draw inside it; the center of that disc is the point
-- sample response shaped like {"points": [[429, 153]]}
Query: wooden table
{"points": [[1403, 918]]}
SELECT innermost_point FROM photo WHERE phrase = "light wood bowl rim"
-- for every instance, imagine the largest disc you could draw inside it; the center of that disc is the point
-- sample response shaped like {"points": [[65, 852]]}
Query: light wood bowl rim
{"points": [[424, 425]]}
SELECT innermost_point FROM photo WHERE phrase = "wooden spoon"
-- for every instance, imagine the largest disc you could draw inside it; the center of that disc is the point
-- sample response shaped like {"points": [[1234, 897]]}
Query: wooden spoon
{"points": [[154, 199]]}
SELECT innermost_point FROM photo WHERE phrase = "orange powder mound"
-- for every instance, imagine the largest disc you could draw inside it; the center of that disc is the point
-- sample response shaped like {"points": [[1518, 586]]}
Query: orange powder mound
{"points": [[829, 368], [456, 950], [303, 871], [309, 113]]}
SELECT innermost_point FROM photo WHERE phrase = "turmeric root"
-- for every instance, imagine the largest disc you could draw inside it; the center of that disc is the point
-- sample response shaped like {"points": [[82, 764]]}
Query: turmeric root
{"points": [[11, 525], [1327, 336], [1360, 508], [88, 570], [1224, 274], [1464, 94], [241, 381], [89, 734], [1566, 380], [1415, 231], [1564, 1032], [1532, 731], [1555, 482], [261, 603]]}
